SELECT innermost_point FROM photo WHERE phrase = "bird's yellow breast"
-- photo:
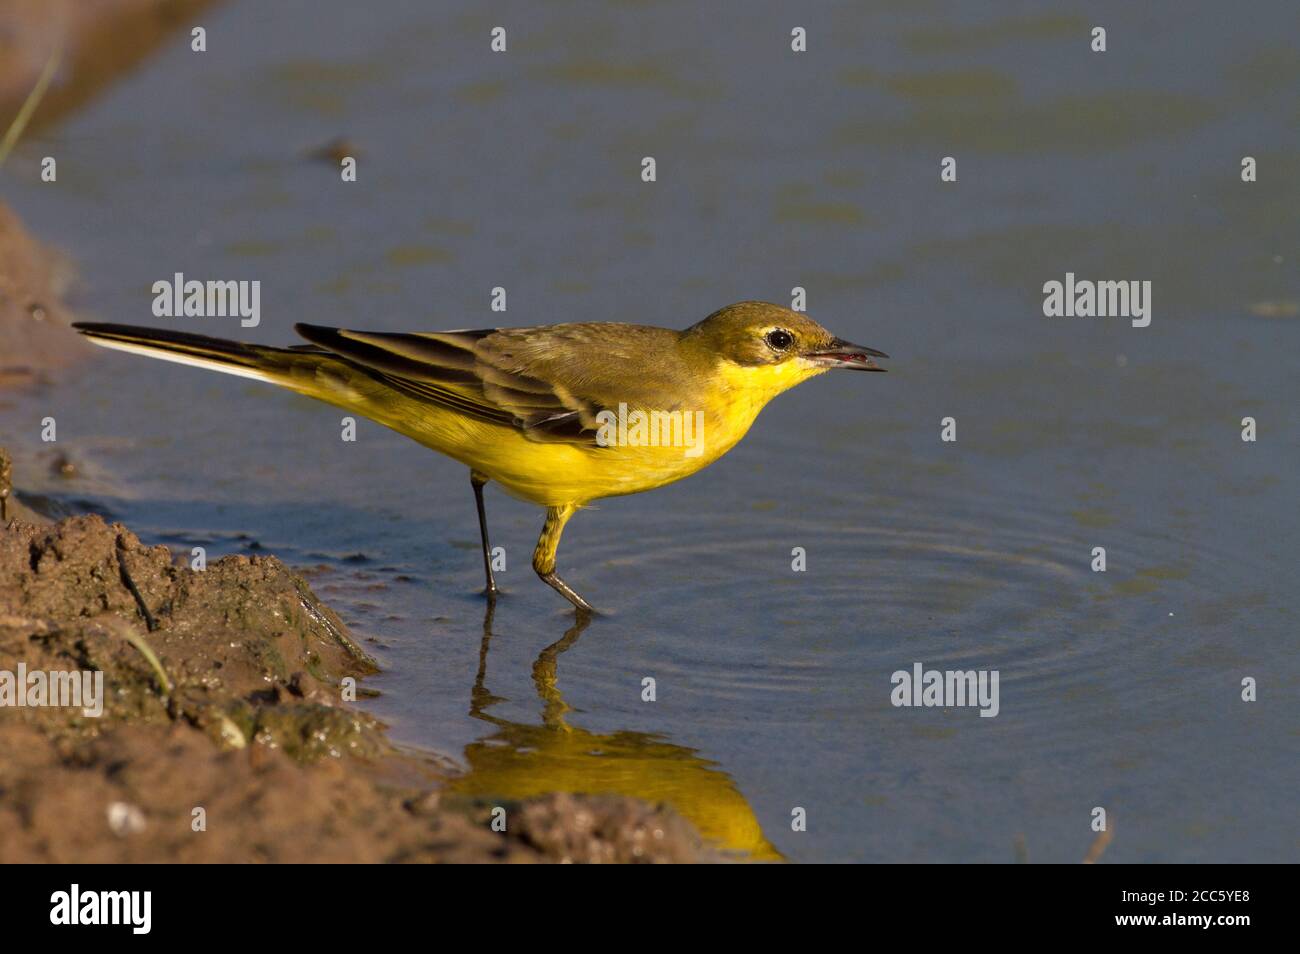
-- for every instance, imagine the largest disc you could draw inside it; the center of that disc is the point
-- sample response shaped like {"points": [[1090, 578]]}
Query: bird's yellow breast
{"points": [[639, 455]]}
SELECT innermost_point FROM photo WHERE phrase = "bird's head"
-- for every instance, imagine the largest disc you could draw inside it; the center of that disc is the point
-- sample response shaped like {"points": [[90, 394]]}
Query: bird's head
{"points": [[766, 348]]}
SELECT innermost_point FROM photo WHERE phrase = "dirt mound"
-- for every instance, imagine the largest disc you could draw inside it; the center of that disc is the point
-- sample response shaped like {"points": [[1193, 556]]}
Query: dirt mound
{"points": [[226, 733]]}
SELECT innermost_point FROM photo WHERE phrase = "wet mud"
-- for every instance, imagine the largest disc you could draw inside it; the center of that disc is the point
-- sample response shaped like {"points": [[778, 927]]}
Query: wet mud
{"points": [[226, 730]]}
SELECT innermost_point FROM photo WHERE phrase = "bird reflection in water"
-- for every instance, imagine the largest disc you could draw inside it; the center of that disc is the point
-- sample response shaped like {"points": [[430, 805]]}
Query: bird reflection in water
{"points": [[518, 760]]}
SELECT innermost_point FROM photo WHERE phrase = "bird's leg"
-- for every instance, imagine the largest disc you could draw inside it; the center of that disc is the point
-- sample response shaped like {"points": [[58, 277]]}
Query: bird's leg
{"points": [[544, 555], [477, 480]]}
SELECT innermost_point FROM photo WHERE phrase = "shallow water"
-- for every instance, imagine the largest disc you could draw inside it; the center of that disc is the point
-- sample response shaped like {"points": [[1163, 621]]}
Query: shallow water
{"points": [[1119, 689]]}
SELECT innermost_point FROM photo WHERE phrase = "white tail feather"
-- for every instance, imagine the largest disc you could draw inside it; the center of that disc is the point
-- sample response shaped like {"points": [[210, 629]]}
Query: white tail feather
{"points": [[165, 355]]}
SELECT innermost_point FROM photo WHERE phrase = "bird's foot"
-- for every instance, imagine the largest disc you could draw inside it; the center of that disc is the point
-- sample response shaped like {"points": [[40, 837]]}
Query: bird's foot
{"points": [[553, 580]]}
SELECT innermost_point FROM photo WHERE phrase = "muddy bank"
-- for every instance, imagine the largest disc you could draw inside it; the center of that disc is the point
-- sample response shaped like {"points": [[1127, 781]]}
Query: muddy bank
{"points": [[33, 317], [94, 42], [225, 707]]}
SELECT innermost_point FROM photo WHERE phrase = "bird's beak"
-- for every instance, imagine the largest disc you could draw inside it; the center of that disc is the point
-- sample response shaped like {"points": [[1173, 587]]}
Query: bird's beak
{"points": [[845, 354]]}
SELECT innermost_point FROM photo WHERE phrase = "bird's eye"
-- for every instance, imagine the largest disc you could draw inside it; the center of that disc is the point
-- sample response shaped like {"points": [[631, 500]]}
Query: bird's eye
{"points": [[779, 340]]}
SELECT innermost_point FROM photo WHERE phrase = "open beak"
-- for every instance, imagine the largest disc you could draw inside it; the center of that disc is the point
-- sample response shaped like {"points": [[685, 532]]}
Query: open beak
{"points": [[844, 354]]}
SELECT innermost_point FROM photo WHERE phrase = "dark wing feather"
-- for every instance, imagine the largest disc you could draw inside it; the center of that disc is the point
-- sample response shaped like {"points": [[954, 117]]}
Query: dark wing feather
{"points": [[528, 378]]}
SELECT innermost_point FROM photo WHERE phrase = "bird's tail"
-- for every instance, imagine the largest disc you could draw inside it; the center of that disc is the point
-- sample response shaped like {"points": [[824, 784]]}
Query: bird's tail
{"points": [[293, 368]]}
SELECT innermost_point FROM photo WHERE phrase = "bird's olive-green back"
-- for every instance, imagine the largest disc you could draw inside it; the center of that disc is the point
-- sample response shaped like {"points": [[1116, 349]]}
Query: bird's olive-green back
{"points": [[552, 381]]}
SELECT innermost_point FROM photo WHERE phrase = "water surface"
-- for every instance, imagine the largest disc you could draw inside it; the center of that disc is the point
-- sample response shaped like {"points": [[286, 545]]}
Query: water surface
{"points": [[820, 170]]}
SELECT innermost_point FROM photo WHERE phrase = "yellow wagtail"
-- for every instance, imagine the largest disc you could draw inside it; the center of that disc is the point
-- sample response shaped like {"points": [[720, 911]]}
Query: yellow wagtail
{"points": [[559, 415]]}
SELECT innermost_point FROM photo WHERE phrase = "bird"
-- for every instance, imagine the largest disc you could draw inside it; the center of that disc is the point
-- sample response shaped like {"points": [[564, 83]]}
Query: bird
{"points": [[557, 415]]}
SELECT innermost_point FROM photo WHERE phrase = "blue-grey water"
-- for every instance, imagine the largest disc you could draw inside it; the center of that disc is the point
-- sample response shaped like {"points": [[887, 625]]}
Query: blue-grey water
{"points": [[1120, 689]]}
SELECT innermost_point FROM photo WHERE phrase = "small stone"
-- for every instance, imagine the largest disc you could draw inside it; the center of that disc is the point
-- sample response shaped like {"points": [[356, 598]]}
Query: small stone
{"points": [[125, 819]]}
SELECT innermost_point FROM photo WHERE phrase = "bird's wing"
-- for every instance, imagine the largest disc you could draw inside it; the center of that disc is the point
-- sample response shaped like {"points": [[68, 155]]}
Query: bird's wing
{"points": [[548, 382]]}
